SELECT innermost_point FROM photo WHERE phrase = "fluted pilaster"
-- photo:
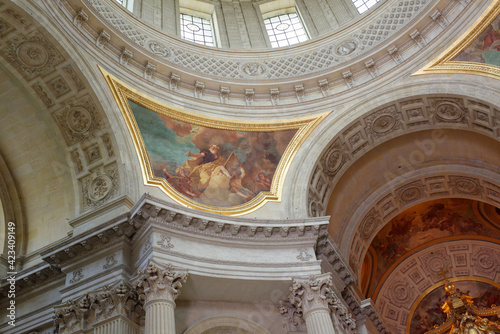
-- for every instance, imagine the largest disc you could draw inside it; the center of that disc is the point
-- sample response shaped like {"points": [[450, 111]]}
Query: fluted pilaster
{"points": [[159, 288]]}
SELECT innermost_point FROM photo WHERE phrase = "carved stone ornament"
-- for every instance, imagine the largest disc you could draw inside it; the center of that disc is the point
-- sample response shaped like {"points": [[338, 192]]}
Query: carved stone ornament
{"points": [[78, 119], [159, 49], [368, 226], [334, 160], [449, 111], [346, 48], [341, 312], [311, 293], [77, 315], [158, 283], [253, 69], [32, 54], [100, 187], [292, 319], [72, 315], [383, 123]]}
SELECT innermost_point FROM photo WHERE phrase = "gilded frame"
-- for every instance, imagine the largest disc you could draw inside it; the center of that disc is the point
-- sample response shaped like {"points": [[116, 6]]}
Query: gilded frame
{"points": [[304, 125]]}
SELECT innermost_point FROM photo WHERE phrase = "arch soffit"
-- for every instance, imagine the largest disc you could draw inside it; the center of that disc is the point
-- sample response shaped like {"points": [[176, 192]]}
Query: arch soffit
{"points": [[454, 181], [62, 89], [237, 323], [392, 120]]}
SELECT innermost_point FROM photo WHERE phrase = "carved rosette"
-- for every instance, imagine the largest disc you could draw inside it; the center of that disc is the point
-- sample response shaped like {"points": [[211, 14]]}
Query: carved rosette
{"points": [[311, 293], [156, 283], [101, 185], [34, 57]]}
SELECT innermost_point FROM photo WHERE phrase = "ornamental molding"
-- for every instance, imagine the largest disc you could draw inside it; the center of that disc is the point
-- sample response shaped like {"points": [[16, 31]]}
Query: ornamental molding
{"points": [[224, 66], [445, 63], [34, 277], [326, 250], [371, 312]]}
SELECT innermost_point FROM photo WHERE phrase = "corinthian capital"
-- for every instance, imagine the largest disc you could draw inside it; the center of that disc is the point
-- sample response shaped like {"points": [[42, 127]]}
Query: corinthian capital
{"points": [[311, 293], [160, 283]]}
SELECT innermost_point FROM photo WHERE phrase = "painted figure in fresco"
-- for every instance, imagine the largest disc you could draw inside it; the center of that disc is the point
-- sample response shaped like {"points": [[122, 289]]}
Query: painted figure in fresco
{"points": [[263, 182], [491, 47], [210, 176], [202, 165], [181, 182]]}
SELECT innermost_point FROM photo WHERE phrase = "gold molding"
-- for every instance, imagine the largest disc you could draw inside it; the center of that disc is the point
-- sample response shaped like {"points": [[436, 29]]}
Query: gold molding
{"points": [[304, 125], [444, 63], [435, 286]]}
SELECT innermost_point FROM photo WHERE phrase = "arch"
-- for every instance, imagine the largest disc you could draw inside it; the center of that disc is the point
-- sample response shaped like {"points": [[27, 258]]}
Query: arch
{"points": [[10, 211], [388, 121], [237, 325]]}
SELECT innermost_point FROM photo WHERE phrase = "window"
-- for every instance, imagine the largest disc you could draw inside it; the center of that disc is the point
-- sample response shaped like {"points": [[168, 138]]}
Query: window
{"points": [[197, 29], [285, 29], [129, 4], [363, 5]]}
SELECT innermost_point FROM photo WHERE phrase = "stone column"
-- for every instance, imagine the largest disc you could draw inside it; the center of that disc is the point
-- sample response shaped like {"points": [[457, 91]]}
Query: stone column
{"points": [[310, 296], [160, 287]]}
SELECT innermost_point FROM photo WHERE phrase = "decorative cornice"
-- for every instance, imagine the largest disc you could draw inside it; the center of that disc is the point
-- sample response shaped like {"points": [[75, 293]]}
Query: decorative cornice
{"points": [[219, 226], [327, 250], [369, 309], [34, 277]]}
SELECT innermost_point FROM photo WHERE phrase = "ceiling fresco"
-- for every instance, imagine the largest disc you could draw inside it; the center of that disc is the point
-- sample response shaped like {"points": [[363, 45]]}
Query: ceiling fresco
{"points": [[485, 48], [218, 165], [424, 224], [211, 166]]}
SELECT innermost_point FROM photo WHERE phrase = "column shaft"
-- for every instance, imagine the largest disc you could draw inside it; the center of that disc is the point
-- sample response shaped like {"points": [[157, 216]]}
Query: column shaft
{"points": [[319, 322], [116, 326], [160, 318]]}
